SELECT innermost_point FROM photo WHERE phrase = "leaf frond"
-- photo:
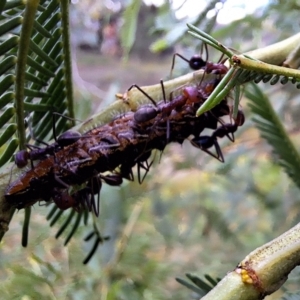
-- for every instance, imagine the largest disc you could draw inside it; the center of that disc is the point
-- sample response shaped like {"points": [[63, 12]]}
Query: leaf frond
{"points": [[35, 72], [272, 130]]}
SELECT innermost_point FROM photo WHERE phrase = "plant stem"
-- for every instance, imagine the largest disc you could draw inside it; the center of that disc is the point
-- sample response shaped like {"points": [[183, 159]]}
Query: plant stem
{"points": [[64, 4]]}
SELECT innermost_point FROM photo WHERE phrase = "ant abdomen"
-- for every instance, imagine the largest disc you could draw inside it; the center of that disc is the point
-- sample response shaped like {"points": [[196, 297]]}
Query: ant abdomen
{"points": [[67, 138], [145, 114]]}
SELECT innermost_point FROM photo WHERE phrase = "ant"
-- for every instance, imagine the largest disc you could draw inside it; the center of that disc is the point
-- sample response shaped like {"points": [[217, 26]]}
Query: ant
{"points": [[85, 198], [80, 199], [205, 142], [148, 112], [196, 62], [142, 163], [67, 138]]}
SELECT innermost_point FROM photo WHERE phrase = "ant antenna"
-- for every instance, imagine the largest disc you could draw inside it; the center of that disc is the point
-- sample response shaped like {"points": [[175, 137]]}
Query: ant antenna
{"points": [[173, 62], [204, 45], [54, 121]]}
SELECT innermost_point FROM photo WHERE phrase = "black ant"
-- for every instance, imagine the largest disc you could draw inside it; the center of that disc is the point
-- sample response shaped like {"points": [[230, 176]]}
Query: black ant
{"points": [[85, 198], [196, 62], [67, 138], [142, 163], [80, 199], [205, 142]]}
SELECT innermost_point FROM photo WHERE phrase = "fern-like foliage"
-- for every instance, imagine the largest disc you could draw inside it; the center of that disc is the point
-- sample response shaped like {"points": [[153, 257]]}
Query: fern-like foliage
{"points": [[199, 286], [272, 130], [35, 71], [35, 75]]}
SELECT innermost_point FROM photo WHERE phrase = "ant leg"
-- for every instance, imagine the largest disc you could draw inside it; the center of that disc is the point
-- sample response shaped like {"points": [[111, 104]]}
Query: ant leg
{"points": [[61, 181], [163, 90], [219, 151], [204, 45], [143, 92], [205, 142], [53, 127], [140, 166], [206, 50], [221, 59], [95, 205], [219, 155], [165, 100], [173, 62]]}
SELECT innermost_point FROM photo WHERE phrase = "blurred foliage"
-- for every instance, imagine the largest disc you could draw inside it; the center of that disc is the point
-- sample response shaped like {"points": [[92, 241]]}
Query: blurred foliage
{"points": [[192, 214]]}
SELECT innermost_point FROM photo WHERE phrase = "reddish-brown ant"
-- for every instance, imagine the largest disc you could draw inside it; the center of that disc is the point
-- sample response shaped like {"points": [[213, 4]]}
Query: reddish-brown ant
{"points": [[146, 113]]}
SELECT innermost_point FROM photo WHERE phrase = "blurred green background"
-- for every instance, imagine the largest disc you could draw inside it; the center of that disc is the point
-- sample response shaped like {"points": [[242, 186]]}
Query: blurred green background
{"points": [[192, 214]]}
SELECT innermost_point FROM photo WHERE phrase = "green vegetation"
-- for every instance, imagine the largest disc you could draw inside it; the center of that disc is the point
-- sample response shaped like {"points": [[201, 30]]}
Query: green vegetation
{"points": [[192, 214]]}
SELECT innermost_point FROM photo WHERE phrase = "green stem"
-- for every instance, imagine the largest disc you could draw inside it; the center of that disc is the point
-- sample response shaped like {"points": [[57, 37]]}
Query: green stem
{"points": [[64, 5], [25, 36], [196, 32], [218, 94], [267, 268], [261, 67]]}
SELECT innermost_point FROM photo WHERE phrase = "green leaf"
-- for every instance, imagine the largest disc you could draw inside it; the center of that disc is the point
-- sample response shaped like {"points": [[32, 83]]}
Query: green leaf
{"points": [[9, 44], [6, 83], [7, 115], [41, 29], [273, 131], [128, 29], [13, 4], [11, 147], [7, 133], [10, 25], [2, 5], [7, 64]]}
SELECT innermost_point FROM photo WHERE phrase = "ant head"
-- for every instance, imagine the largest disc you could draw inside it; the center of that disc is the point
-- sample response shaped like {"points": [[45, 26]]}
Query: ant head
{"points": [[21, 158], [196, 62], [69, 137]]}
